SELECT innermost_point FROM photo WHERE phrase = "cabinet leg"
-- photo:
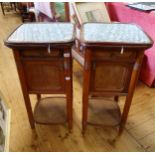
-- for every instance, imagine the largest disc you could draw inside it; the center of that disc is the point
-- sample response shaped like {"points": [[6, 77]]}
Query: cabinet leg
{"points": [[69, 87], [132, 85], [69, 110], [24, 88], [86, 85], [70, 105], [38, 97], [29, 111], [84, 113], [116, 98]]}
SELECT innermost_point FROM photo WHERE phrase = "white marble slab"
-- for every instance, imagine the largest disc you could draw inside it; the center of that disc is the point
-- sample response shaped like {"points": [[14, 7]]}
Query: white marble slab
{"points": [[118, 33], [43, 33]]}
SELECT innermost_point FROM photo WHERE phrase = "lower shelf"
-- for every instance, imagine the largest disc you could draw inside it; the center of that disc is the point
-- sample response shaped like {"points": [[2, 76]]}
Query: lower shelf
{"points": [[50, 110], [104, 112]]}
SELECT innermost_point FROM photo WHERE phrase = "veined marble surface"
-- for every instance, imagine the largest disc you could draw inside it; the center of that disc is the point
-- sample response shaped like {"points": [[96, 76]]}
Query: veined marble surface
{"points": [[118, 33], [43, 33]]}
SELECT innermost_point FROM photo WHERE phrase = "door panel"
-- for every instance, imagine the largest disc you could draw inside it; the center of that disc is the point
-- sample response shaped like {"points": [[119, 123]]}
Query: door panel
{"points": [[110, 76], [44, 76]]}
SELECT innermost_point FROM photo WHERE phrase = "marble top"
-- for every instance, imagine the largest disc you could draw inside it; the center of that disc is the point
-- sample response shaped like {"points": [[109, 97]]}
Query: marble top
{"points": [[43, 33], [113, 33]]}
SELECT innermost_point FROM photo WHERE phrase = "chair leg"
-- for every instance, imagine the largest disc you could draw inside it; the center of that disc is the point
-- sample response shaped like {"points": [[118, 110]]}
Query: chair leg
{"points": [[2, 8], [11, 5]]}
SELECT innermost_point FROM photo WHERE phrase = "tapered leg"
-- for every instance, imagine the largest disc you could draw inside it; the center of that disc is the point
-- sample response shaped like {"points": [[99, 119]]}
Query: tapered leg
{"points": [[116, 98], [84, 110], [69, 106], [69, 87], [29, 110], [132, 85], [86, 85], [38, 97], [24, 88], [69, 102]]}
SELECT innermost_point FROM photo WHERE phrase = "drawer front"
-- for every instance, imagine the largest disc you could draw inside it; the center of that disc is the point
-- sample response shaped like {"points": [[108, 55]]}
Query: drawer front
{"points": [[112, 77], [44, 76], [115, 54], [41, 53]]}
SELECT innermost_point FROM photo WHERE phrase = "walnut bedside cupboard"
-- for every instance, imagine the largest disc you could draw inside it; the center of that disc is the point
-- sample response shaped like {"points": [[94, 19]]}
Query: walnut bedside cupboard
{"points": [[111, 56], [42, 52]]}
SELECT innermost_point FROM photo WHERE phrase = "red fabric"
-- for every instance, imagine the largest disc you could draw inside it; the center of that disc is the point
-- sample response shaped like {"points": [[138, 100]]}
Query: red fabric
{"points": [[119, 12]]}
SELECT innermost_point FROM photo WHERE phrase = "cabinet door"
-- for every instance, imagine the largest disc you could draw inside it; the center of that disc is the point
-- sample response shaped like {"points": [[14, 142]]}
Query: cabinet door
{"points": [[110, 76], [44, 76]]}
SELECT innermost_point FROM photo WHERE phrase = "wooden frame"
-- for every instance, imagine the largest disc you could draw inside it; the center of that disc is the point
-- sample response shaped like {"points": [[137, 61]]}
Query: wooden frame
{"points": [[88, 12]]}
